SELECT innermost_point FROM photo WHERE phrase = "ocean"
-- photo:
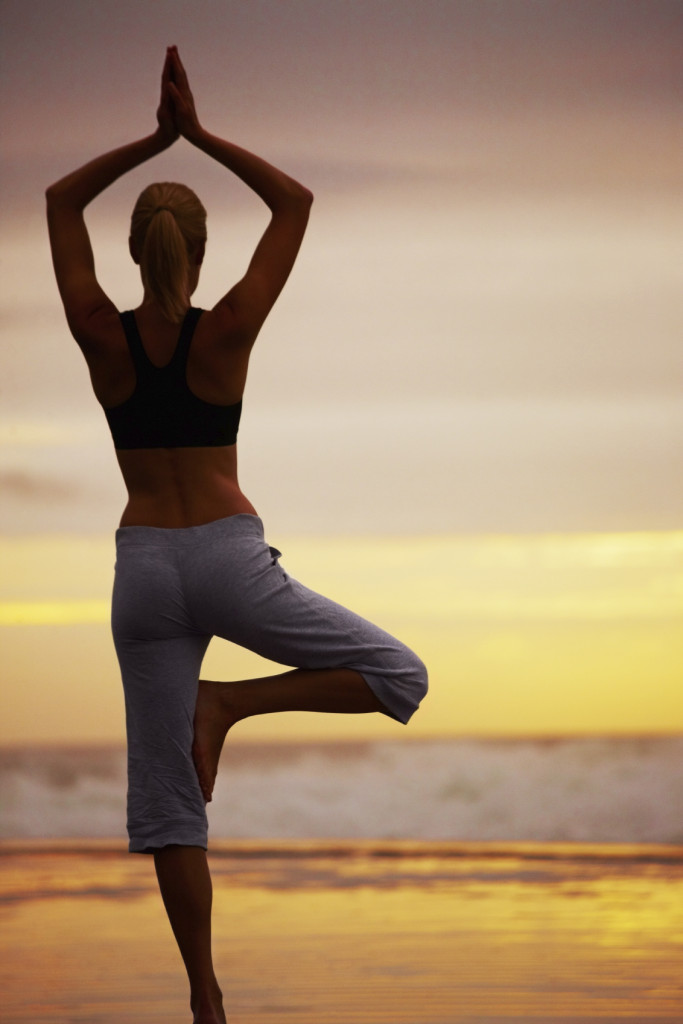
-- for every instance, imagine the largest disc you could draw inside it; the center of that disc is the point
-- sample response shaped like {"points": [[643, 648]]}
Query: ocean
{"points": [[450, 881], [588, 789]]}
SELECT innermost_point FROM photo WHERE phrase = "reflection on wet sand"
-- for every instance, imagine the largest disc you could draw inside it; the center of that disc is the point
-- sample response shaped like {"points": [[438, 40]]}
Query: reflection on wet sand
{"points": [[370, 932]]}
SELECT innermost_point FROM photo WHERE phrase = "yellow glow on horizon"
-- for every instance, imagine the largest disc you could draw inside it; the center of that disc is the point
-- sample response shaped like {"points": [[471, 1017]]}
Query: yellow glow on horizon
{"points": [[522, 635], [488, 585], [53, 613]]}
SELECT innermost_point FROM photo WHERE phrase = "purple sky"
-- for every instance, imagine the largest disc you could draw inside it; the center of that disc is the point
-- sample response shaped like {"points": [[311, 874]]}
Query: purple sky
{"points": [[488, 294]]}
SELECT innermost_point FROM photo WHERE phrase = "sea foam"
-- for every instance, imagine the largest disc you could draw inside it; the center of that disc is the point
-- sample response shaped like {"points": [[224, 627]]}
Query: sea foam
{"points": [[627, 789]]}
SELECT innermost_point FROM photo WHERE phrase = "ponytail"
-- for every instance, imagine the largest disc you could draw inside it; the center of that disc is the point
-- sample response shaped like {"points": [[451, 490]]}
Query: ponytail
{"points": [[168, 226]]}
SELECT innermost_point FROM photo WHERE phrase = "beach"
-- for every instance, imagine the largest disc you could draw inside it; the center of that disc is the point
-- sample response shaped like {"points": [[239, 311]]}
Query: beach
{"points": [[359, 931]]}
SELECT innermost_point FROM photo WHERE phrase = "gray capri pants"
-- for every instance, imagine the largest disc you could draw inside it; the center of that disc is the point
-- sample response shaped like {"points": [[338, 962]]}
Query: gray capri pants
{"points": [[174, 590]]}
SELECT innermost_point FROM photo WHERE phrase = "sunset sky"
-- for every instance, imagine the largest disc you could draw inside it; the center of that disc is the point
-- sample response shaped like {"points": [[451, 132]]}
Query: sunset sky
{"points": [[464, 415]]}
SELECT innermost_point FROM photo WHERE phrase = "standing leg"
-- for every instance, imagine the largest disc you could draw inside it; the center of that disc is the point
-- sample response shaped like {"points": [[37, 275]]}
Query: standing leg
{"points": [[185, 884], [160, 655]]}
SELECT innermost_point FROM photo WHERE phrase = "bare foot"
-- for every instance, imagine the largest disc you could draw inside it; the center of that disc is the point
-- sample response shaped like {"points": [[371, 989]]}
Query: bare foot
{"points": [[215, 712], [208, 1010]]}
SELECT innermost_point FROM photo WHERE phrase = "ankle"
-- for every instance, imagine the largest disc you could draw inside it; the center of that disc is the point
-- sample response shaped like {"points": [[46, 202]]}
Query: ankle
{"points": [[226, 700], [207, 1005]]}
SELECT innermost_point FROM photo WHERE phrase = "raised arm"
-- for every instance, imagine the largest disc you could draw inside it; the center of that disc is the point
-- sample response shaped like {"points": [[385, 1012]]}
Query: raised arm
{"points": [[72, 254], [251, 299]]}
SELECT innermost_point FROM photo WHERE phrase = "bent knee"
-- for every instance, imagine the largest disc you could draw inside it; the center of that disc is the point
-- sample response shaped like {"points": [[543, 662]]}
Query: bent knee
{"points": [[416, 675], [406, 686]]}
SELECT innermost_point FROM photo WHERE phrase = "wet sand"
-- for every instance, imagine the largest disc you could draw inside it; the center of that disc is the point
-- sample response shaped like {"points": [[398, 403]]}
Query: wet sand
{"points": [[363, 932]]}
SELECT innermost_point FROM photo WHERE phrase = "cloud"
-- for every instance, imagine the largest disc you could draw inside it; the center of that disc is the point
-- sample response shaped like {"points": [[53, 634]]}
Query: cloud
{"points": [[22, 486]]}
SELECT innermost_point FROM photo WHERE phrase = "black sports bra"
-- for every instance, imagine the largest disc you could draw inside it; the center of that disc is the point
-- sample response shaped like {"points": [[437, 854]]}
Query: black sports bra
{"points": [[162, 412]]}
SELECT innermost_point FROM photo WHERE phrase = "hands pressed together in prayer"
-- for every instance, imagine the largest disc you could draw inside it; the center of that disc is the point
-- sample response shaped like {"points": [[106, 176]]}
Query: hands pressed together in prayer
{"points": [[176, 114]]}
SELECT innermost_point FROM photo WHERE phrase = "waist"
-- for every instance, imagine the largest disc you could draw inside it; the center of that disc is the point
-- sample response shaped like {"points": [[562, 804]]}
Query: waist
{"points": [[178, 488], [240, 524]]}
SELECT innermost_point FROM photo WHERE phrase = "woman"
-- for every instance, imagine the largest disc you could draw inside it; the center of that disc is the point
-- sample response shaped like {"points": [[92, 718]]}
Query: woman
{"points": [[191, 559]]}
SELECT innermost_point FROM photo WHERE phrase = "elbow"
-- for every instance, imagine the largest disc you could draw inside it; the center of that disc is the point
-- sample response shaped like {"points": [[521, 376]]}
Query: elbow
{"points": [[53, 194], [51, 201], [304, 202], [298, 197], [60, 193], [295, 202]]}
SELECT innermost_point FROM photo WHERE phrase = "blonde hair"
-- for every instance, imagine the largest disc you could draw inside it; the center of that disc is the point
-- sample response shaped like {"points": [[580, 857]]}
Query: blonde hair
{"points": [[168, 225]]}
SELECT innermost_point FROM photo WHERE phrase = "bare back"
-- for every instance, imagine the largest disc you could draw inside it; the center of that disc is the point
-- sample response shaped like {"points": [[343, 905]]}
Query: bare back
{"points": [[177, 487], [174, 487]]}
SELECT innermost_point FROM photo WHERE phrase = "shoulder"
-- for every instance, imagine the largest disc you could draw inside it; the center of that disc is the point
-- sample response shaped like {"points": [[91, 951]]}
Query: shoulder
{"points": [[219, 357], [97, 331], [224, 329]]}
